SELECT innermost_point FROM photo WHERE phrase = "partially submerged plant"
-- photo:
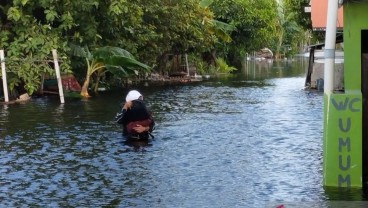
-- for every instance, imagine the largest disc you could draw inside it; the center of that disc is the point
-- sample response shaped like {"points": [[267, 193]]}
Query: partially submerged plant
{"points": [[223, 67], [113, 59]]}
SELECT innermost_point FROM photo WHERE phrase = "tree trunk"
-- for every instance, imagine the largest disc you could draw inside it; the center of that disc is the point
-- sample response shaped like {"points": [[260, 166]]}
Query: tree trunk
{"points": [[162, 60], [84, 90], [279, 45], [97, 80], [209, 57]]}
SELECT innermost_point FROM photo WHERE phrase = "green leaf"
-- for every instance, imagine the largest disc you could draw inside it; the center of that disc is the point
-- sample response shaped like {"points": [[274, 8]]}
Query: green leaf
{"points": [[205, 3], [24, 2], [105, 52], [13, 14], [50, 15]]}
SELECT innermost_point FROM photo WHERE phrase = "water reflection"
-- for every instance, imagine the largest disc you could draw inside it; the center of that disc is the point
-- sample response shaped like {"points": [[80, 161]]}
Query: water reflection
{"points": [[249, 140], [4, 113], [343, 194], [261, 69]]}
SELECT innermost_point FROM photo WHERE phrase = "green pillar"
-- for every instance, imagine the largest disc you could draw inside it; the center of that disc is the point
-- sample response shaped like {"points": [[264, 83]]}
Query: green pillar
{"points": [[343, 128], [342, 146]]}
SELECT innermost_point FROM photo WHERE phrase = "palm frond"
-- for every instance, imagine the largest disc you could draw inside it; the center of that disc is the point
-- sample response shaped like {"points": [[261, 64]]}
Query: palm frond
{"points": [[124, 61], [106, 51], [117, 70], [79, 51]]}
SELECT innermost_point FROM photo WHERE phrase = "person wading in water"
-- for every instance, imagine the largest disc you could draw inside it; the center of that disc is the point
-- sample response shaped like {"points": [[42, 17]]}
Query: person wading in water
{"points": [[135, 118]]}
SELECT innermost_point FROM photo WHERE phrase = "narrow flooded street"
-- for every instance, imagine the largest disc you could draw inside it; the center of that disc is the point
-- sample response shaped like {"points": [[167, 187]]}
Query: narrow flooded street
{"points": [[250, 140]]}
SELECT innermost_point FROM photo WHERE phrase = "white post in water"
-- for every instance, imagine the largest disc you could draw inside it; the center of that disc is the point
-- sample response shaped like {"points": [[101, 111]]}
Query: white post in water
{"points": [[330, 42], [186, 63], [3, 73], [57, 70]]}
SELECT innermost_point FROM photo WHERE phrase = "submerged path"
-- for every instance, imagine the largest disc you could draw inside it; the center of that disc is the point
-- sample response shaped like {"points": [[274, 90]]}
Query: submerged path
{"points": [[233, 142]]}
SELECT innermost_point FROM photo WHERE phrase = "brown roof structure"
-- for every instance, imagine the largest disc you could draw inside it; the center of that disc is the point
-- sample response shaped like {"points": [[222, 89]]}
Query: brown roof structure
{"points": [[319, 15]]}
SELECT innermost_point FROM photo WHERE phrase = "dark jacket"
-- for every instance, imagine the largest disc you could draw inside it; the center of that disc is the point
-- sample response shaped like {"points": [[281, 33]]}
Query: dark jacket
{"points": [[138, 112]]}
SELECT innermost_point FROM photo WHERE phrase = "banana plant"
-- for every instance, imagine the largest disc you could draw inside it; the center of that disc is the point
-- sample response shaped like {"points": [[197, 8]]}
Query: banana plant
{"points": [[114, 59]]}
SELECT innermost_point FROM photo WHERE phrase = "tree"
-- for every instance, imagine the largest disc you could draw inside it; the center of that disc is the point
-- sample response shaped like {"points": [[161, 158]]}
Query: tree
{"points": [[114, 59], [255, 24], [148, 29], [296, 8], [296, 25], [28, 44], [152, 30], [171, 28]]}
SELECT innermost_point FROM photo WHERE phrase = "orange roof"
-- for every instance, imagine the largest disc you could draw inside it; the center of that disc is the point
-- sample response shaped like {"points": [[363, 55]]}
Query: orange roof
{"points": [[319, 15]]}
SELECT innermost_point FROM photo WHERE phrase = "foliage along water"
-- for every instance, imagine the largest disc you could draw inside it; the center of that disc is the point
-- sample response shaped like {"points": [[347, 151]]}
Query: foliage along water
{"points": [[249, 140]]}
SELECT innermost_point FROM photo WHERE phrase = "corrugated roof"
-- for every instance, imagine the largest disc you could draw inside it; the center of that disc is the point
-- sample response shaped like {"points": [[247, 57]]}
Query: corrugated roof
{"points": [[319, 15]]}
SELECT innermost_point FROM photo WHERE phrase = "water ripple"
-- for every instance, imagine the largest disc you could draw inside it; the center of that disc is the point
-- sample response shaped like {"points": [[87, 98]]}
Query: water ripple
{"points": [[217, 144]]}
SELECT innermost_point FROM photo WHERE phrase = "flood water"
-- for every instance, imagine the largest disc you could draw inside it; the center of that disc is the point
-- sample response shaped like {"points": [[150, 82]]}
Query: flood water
{"points": [[249, 140]]}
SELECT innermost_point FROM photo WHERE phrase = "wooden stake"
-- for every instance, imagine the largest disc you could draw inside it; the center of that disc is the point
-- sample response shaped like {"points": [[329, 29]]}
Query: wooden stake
{"points": [[3, 72], [186, 62], [57, 70]]}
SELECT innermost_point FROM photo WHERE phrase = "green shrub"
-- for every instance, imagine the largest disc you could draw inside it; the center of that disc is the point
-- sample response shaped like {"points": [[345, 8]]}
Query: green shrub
{"points": [[223, 67]]}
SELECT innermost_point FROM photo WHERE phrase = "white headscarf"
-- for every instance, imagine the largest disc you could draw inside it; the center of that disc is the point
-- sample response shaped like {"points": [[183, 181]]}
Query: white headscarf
{"points": [[132, 95]]}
